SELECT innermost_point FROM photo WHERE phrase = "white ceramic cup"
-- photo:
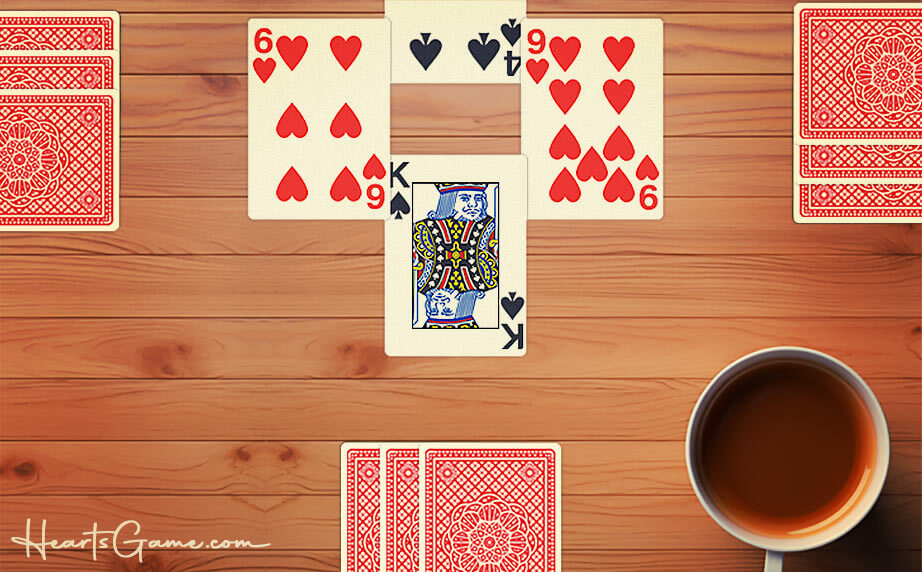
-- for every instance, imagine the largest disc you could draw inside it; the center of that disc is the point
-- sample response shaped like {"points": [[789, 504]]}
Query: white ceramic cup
{"points": [[775, 546]]}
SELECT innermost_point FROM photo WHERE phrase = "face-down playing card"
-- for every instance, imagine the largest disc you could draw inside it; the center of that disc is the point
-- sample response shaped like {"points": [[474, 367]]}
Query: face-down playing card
{"points": [[360, 502], [62, 31], [318, 118], [463, 41], [489, 506], [400, 507], [858, 73], [55, 70], [592, 118], [455, 256], [59, 160]]}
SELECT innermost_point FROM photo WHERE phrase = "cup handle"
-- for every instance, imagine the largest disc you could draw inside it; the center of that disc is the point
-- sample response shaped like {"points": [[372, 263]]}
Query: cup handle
{"points": [[773, 561]]}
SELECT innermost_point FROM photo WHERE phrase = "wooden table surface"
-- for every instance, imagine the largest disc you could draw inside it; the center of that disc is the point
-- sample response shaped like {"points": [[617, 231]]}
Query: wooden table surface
{"points": [[197, 371]]}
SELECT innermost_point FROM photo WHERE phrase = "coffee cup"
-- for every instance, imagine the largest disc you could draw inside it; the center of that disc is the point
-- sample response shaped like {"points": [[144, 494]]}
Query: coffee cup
{"points": [[787, 449]]}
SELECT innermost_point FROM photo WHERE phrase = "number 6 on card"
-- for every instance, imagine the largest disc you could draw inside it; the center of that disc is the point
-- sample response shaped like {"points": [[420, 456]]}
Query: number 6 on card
{"points": [[318, 118]]}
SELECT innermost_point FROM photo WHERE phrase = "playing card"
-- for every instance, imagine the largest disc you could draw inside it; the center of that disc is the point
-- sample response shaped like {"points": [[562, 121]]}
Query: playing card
{"points": [[489, 506], [318, 118], [62, 70], [592, 118], [863, 202], [59, 160], [455, 256], [61, 31], [461, 41], [887, 162], [400, 507], [360, 501], [857, 73]]}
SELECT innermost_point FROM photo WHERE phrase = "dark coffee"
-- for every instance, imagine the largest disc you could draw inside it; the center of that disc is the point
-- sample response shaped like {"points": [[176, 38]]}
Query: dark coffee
{"points": [[785, 448]]}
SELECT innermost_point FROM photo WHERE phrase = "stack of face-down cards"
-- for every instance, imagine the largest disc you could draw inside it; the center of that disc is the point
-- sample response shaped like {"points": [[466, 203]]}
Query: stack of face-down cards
{"points": [[592, 136], [857, 113], [59, 121], [411, 507]]}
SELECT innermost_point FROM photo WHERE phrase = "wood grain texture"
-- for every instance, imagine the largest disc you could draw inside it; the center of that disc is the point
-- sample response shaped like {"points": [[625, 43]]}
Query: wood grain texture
{"points": [[391, 409], [741, 226], [311, 522], [654, 348], [215, 105], [196, 370], [210, 43], [350, 286], [835, 558], [312, 468], [302, 8]]}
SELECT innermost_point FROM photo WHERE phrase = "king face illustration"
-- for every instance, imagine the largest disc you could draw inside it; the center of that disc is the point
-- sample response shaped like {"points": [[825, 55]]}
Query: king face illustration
{"points": [[456, 255]]}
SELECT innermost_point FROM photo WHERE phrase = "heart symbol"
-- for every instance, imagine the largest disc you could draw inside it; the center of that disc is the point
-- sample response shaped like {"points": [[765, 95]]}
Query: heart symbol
{"points": [[425, 51], [512, 304], [345, 123], [591, 167], [565, 187], [618, 187], [291, 185], [264, 68], [618, 94], [618, 145], [373, 168], [564, 51], [291, 50], [565, 94], [618, 51], [647, 170], [291, 123], [565, 143], [345, 51], [346, 186], [537, 69]]}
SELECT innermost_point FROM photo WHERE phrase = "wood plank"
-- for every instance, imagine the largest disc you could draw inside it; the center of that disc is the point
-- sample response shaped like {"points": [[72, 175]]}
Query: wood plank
{"points": [[298, 8], [697, 166], [215, 105], [693, 43], [350, 286], [615, 522], [311, 522], [312, 467], [741, 226], [398, 409], [731, 560]]}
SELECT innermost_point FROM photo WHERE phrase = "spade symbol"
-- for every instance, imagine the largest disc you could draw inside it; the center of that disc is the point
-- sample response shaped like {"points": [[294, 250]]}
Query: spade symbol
{"points": [[511, 31], [426, 51], [512, 304], [399, 205], [483, 51]]}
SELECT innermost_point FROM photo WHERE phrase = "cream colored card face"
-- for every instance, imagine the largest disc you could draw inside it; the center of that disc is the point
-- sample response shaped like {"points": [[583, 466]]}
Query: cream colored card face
{"points": [[455, 256], [592, 118], [461, 41], [318, 118]]}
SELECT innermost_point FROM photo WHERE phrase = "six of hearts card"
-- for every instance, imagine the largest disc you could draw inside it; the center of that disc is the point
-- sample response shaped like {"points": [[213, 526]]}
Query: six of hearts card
{"points": [[318, 118]]}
